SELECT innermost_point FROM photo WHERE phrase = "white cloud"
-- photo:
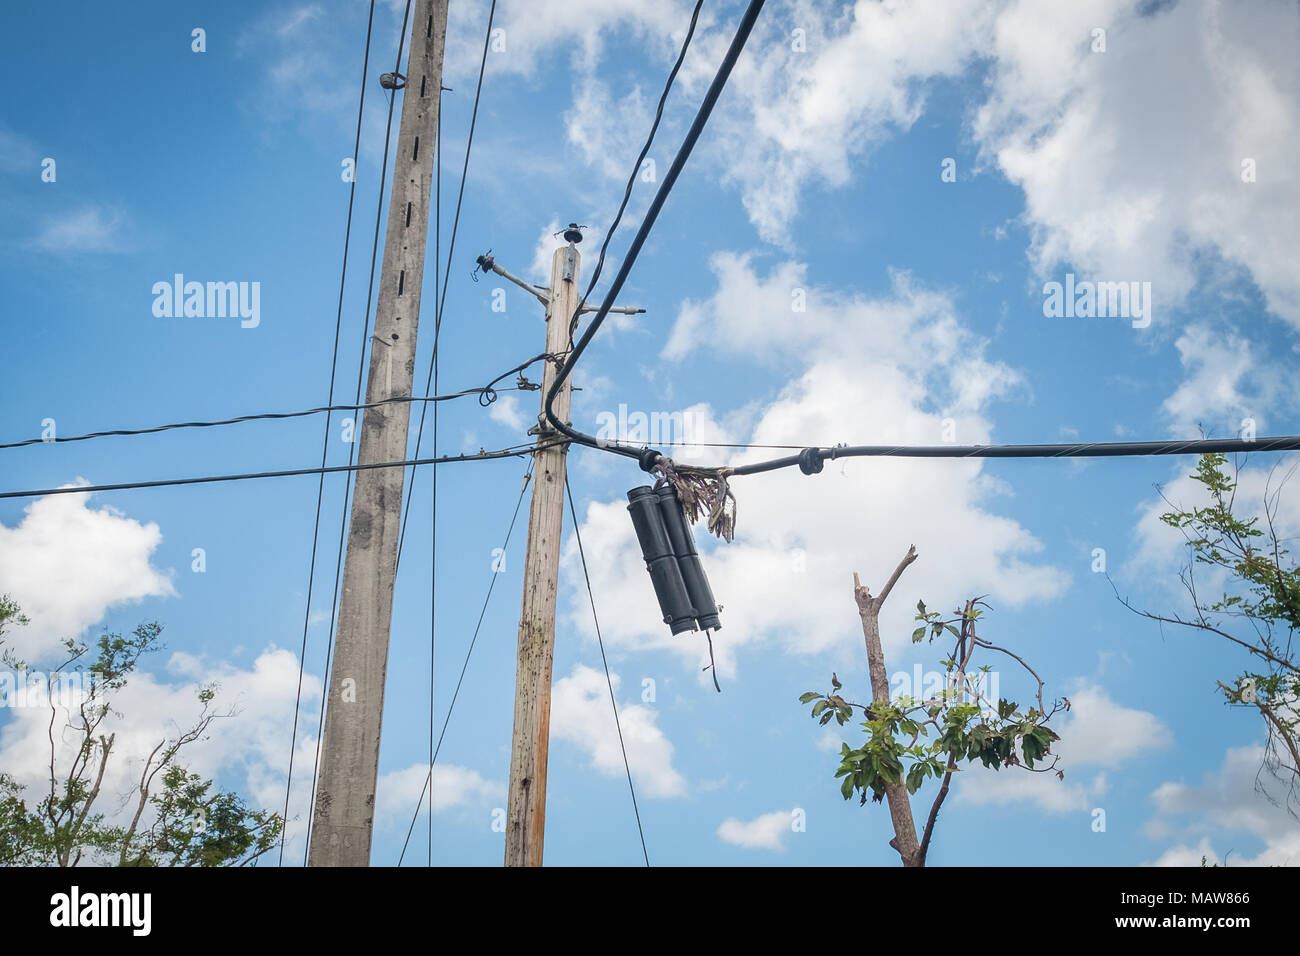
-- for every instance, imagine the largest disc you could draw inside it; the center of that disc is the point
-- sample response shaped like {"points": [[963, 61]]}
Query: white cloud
{"points": [[1117, 181], [506, 411], [1227, 380], [1208, 818], [766, 832], [540, 29], [398, 791], [581, 715], [93, 228], [796, 118], [66, 564]]}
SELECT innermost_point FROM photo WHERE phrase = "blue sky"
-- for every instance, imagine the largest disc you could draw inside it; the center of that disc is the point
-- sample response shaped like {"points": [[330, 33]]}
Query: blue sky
{"points": [[819, 180]]}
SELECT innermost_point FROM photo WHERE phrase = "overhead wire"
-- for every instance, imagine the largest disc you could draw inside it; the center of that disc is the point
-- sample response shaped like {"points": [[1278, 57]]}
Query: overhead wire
{"points": [[511, 451], [352, 446], [442, 298], [743, 31], [609, 681], [320, 491], [431, 383], [487, 391], [636, 170], [528, 474]]}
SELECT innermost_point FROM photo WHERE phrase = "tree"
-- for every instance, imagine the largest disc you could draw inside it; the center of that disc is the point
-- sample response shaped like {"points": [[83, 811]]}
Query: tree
{"points": [[893, 761], [177, 817], [1257, 608]]}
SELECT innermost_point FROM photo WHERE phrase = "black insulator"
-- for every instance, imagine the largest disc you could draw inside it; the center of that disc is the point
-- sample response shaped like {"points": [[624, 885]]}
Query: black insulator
{"points": [[660, 560], [648, 459], [810, 461], [688, 559], [573, 233]]}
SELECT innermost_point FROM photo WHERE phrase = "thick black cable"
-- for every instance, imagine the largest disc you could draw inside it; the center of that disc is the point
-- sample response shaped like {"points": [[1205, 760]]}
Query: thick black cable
{"points": [[810, 459], [320, 491], [528, 474], [609, 681], [643, 232]]}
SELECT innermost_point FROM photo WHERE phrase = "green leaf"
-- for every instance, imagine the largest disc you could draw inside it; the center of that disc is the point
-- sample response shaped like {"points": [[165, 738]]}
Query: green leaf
{"points": [[918, 634], [846, 788], [811, 695]]}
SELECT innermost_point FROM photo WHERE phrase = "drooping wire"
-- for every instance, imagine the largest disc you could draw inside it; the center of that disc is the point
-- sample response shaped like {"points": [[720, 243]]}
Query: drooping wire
{"points": [[487, 392], [320, 490], [528, 474], [609, 682]]}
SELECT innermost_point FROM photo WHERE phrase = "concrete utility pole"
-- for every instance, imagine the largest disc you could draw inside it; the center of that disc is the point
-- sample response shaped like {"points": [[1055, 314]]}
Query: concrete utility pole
{"points": [[345, 796], [526, 799]]}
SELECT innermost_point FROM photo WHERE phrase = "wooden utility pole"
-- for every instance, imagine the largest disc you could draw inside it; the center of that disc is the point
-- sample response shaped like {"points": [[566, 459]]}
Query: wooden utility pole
{"points": [[526, 798], [345, 798]]}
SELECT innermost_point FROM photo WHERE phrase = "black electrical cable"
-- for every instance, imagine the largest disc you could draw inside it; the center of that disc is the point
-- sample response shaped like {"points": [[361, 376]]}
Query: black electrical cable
{"points": [[609, 681], [320, 491], [810, 460], [487, 391], [528, 474], [643, 232], [512, 451]]}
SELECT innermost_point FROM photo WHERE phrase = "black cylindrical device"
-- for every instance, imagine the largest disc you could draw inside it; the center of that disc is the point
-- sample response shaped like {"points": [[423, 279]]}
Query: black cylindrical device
{"points": [[688, 559], [660, 559]]}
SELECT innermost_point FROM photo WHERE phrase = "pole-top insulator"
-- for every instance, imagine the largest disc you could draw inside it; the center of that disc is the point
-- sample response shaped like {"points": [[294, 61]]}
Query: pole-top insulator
{"points": [[573, 233]]}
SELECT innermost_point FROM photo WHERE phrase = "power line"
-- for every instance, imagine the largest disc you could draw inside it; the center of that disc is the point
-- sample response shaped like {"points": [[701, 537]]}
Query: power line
{"points": [[442, 299], [647, 223], [361, 361], [810, 460], [320, 491], [528, 474], [512, 451], [485, 392], [609, 682], [636, 169], [432, 381]]}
